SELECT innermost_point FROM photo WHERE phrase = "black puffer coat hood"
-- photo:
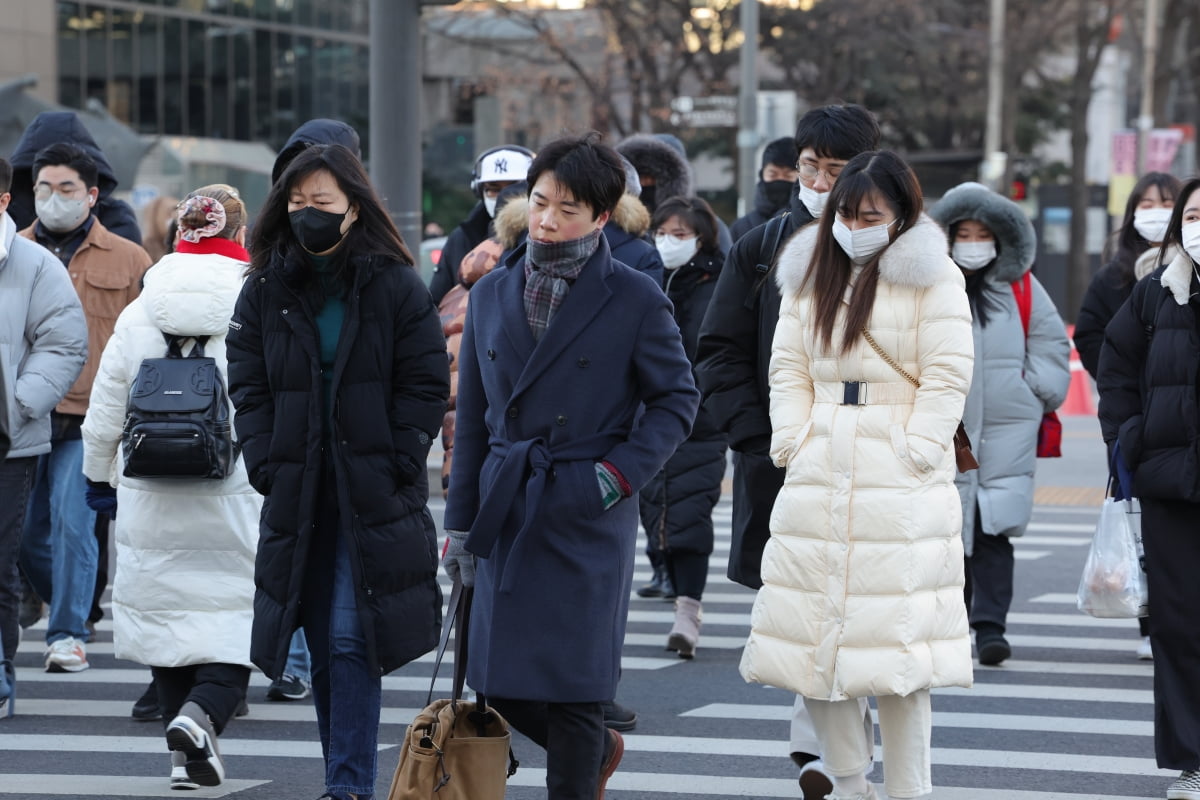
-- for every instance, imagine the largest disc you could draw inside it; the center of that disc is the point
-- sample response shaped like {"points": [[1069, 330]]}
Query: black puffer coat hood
{"points": [[1016, 242], [315, 131], [50, 127], [654, 158]]}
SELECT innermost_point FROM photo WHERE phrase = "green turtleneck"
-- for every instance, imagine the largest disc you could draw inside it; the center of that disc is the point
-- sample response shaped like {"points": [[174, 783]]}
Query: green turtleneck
{"points": [[330, 317]]}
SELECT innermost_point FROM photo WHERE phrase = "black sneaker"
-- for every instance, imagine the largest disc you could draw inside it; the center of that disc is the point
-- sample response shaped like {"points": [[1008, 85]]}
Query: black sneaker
{"points": [[991, 645], [618, 718], [288, 687], [146, 708]]}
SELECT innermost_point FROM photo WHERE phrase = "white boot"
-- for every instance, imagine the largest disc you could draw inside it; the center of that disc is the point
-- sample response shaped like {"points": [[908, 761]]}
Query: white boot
{"points": [[685, 633]]}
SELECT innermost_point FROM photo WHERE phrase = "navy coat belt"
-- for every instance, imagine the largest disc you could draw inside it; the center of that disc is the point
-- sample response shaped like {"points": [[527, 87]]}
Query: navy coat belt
{"points": [[529, 461]]}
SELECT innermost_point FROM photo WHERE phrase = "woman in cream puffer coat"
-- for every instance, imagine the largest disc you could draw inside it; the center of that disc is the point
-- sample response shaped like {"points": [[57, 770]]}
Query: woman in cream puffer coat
{"points": [[183, 594], [863, 573]]}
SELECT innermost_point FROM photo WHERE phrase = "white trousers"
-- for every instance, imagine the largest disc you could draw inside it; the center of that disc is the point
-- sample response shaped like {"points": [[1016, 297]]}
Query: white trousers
{"points": [[905, 728], [804, 737]]}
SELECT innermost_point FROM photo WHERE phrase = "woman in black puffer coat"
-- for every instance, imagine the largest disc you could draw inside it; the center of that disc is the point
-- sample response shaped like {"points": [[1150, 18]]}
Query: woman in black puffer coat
{"points": [[1149, 372], [338, 370], [677, 504]]}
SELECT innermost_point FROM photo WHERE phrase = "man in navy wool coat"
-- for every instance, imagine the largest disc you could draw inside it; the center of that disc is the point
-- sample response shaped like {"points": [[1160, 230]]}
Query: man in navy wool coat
{"points": [[562, 348]]}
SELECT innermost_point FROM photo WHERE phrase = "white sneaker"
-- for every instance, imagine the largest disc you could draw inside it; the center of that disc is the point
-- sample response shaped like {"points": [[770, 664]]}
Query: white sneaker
{"points": [[1144, 653], [179, 775], [66, 655], [1185, 787]]}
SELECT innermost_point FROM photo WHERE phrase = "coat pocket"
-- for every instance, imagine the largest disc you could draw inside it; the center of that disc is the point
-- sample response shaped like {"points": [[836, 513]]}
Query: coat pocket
{"points": [[106, 293], [921, 456]]}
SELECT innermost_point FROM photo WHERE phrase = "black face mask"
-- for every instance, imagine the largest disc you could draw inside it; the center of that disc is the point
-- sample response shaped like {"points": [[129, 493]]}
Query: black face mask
{"points": [[648, 197], [316, 230], [778, 193]]}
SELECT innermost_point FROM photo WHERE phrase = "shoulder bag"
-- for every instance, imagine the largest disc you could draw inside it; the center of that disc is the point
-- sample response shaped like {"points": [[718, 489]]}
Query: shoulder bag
{"points": [[964, 459], [455, 749], [1049, 441]]}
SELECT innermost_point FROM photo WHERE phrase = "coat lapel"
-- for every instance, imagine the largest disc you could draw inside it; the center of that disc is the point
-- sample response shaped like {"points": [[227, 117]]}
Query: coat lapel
{"points": [[510, 296], [587, 296]]}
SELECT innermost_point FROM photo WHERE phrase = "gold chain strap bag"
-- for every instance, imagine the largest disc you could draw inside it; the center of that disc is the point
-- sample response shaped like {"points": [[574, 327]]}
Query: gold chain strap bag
{"points": [[964, 459], [455, 749]]}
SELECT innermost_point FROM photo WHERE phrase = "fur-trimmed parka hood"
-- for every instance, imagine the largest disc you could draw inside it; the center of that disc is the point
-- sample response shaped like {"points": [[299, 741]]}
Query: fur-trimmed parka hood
{"points": [[654, 158], [512, 221], [1177, 277], [1016, 242], [917, 257]]}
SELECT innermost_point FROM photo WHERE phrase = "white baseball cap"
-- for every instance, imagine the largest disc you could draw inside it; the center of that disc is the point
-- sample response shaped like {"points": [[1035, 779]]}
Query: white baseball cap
{"points": [[504, 165]]}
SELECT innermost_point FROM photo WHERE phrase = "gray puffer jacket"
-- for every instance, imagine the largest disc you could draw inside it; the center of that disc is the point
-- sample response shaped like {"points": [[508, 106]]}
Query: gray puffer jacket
{"points": [[43, 338], [1016, 379]]}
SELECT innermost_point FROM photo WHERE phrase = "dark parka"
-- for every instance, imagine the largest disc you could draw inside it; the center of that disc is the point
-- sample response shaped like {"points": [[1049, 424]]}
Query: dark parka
{"points": [[734, 354], [676, 505], [462, 240], [610, 381], [1148, 384], [51, 127], [390, 377]]}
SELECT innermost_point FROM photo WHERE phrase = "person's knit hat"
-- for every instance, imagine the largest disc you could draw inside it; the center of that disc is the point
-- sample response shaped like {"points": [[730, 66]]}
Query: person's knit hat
{"points": [[781, 152]]}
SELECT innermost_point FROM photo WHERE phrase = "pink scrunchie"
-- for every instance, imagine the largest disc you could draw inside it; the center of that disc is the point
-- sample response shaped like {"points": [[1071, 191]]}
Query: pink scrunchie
{"points": [[213, 211]]}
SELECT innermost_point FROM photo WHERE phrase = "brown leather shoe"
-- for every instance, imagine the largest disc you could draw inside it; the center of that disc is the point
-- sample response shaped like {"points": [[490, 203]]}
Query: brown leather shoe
{"points": [[610, 764]]}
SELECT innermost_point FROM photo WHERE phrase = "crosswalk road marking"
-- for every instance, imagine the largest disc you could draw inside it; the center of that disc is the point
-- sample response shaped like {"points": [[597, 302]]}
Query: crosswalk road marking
{"points": [[1071, 702]]}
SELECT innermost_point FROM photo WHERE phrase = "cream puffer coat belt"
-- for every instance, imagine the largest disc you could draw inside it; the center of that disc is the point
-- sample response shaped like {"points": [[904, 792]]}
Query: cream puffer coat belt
{"points": [[863, 574], [184, 587]]}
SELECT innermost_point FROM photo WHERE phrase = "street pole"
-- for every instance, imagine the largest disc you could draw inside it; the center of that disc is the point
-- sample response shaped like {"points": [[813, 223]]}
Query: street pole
{"points": [[395, 107], [1145, 121], [993, 167], [747, 137]]}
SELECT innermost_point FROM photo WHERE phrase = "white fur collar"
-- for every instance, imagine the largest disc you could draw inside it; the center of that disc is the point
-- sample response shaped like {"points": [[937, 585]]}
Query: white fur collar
{"points": [[919, 257], [1178, 277]]}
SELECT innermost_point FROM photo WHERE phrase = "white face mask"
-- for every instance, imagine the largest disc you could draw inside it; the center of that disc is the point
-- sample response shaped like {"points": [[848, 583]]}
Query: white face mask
{"points": [[813, 200], [1151, 223], [60, 215], [676, 252], [489, 205], [973, 255], [1190, 238], [862, 244]]}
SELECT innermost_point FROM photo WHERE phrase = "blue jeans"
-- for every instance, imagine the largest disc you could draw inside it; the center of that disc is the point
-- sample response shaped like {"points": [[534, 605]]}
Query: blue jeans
{"points": [[297, 661], [58, 547], [347, 692]]}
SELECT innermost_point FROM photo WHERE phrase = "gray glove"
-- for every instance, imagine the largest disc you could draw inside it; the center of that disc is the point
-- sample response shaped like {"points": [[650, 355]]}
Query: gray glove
{"points": [[457, 562]]}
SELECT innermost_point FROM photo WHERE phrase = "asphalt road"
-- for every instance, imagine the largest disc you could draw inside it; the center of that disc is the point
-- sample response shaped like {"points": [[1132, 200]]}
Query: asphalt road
{"points": [[1069, 716]]}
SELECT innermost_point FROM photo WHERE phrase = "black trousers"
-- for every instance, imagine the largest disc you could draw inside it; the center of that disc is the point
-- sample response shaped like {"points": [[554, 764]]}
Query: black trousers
{"points": [[16, 482], [1172, 545], [217, 688], [688, 571], [573, 736], [989, 574]]}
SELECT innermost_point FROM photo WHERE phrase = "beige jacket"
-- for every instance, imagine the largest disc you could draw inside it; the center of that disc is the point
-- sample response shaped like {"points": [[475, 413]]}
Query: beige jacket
{"points": [[863, 573], [107, 272]]}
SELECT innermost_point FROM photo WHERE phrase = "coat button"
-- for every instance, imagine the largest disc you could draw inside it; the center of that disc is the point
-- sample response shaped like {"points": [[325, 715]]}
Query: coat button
{"points": [[491, 355], [423, 437], [560, 419], [583, 362], [262, 280], [285, 311], [512, 412]]}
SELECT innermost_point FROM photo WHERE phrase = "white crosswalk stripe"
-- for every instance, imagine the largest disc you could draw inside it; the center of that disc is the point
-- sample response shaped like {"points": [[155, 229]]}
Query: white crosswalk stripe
{"points": [[1072, 701]]}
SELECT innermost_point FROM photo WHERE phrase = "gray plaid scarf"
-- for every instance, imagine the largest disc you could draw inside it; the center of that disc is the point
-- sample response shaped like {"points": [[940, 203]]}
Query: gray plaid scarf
{"points": [[550, 269]]}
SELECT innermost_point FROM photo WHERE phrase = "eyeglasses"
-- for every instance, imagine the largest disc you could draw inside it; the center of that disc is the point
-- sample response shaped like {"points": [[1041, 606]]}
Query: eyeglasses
{"points": [[42, 191], [810, 171]]}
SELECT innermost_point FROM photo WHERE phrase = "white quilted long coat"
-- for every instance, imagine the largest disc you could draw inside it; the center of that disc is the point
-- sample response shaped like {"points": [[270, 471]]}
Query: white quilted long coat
{"points": [[184, 587], [863, 574]]}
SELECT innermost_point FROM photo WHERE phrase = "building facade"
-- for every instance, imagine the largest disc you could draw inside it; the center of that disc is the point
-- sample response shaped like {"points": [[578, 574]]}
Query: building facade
{"points": [[235, 69]]}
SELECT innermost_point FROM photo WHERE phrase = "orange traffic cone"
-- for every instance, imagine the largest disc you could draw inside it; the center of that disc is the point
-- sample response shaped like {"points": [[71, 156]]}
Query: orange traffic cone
{"points": [[1079, 400]]}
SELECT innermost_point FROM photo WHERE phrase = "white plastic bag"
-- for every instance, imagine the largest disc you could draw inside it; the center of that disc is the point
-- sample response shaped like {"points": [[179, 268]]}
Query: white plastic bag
{"points": [[1113, 584]]}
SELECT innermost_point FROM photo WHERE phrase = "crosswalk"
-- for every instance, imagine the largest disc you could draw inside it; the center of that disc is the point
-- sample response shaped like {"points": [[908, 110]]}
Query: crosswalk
{"points": [[1070, 715]]}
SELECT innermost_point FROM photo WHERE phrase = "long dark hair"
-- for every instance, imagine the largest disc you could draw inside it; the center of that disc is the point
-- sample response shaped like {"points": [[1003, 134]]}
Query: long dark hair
{"points": [[1175, 226], [372, 234], [1126, 244], [829, 274]]}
